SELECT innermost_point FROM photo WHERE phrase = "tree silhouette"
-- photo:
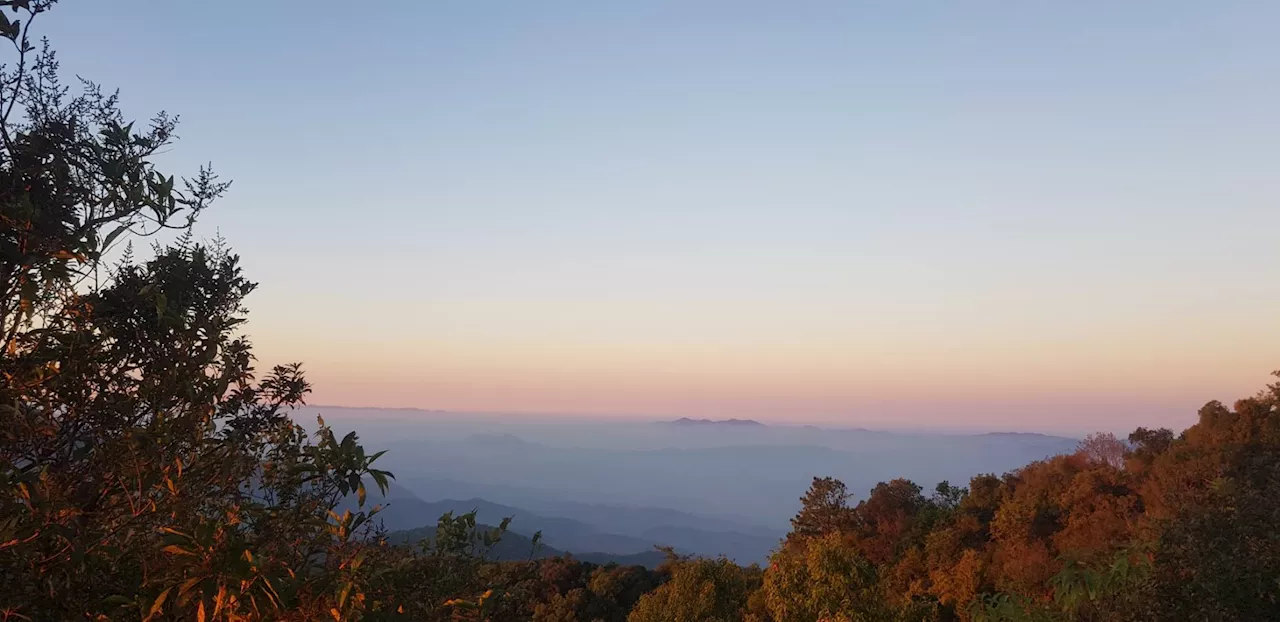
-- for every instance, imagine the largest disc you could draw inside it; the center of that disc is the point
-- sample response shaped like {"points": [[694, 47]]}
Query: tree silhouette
{"points": [[1104, 448], [146, 469], [824, 509]]}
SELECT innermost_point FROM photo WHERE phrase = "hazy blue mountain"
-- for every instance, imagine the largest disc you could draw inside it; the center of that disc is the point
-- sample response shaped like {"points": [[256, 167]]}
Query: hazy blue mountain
{"points": [[622, 519], [561, 533], [403, 511], [618, 476], [515, 546], [758, 484]]}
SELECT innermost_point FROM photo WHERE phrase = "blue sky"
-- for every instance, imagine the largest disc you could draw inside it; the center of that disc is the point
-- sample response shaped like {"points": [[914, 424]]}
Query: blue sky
{"points": [[803, 211]]}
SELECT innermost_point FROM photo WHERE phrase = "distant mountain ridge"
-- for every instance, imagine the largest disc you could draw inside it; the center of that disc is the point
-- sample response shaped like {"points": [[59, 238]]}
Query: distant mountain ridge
{"points": [[516, 546], [701, 475], [748, 474], [1019, 435], [625, 519], [725, 422], [404, 511]]}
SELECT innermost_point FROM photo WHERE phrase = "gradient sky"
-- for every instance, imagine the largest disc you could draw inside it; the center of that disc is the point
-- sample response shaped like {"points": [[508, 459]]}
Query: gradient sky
{"points": [[1057, 216]]}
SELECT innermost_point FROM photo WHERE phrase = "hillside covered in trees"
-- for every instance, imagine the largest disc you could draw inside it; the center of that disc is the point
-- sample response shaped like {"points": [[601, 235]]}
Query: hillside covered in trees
{"points": [[150, 472]]}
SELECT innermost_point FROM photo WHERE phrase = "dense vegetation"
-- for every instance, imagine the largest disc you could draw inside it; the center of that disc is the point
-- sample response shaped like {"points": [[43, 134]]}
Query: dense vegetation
{"points": [[150, 472]]}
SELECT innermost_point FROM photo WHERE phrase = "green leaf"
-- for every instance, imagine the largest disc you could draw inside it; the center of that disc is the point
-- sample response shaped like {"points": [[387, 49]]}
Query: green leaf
{"points": [[380, 477], [111, 237]]}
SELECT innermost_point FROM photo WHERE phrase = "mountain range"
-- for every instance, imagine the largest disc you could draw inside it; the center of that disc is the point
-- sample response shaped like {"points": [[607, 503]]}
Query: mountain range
{"points": [[705, 422], [516, 546], [703, 486], [648, 529]]}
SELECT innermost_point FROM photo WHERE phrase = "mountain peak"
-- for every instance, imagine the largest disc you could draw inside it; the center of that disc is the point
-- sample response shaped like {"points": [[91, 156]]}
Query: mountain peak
{"points": [[685, 421]]}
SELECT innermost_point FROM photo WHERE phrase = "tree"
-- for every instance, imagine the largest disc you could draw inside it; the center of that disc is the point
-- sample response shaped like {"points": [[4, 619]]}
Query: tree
{"points": [[1150, 442], [824, 509], [699, 590], [1213, 497], [614, 591], [828, 579], [75, 181], [948, 497], [1104, 448], [146, 470], [887, 518]]}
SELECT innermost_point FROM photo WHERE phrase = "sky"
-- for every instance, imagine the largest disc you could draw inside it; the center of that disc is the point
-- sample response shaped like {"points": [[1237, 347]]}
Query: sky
{"points": [[1014, 216]]}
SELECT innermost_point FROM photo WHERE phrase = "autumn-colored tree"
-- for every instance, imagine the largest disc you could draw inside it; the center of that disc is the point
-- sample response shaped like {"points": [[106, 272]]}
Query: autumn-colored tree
{"points": [[887, 518], [829, 579], [1214, 496], [614, 590], [558, 588], [699, 590]]}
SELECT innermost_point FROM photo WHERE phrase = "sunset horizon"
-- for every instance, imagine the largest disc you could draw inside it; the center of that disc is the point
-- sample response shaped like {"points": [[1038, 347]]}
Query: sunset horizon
{"points": [[661, 311]]}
